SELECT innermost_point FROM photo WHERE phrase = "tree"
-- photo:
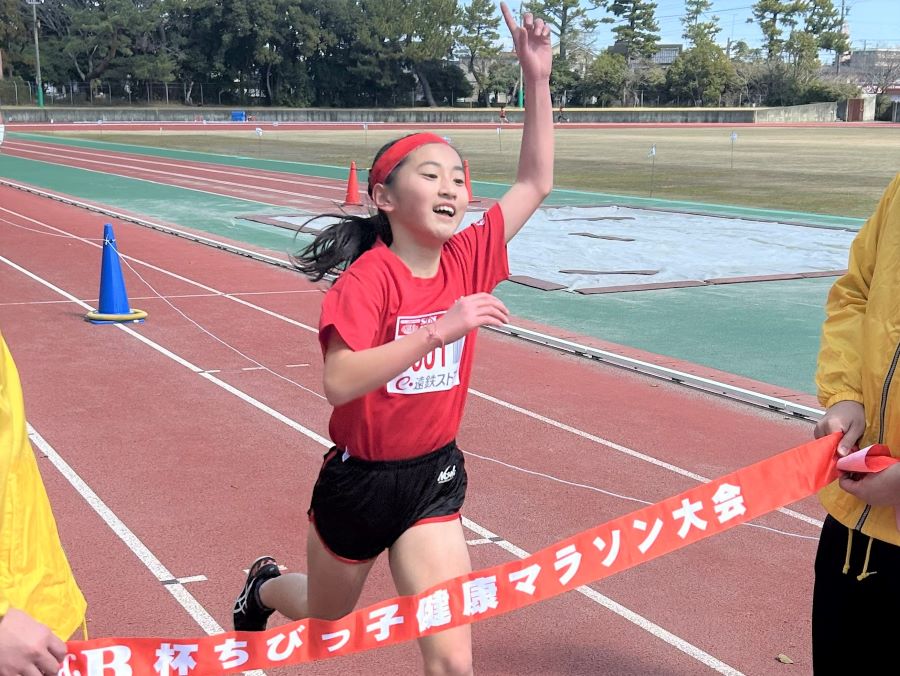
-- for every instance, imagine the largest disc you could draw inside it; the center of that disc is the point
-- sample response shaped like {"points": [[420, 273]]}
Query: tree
{"points": [[104, 33], [604, 79], [825, 23], [478, 39], [566, 18], [701, 74], [341, 68], [696, 31], [195, 55], [741, 51], [12, 30], [638, 31], [448, 81], [752, 80], [413, 32], [92, 39], [563, 81], [773, 17], [503, 77]]}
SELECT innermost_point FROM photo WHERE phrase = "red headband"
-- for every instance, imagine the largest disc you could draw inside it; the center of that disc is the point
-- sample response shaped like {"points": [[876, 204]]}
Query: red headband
{"points": [[394, 155]]}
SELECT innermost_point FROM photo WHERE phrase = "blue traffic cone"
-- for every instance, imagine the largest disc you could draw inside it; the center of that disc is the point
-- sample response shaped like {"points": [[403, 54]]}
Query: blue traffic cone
{"points": [[114, 305]]}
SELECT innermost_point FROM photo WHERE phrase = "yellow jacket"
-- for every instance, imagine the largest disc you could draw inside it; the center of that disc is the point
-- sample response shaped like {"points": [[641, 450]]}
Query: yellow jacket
{"points": [[34, 574], [859, 358]]}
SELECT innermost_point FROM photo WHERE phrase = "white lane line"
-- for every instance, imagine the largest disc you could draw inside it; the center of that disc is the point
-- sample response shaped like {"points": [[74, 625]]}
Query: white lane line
{"points": [[174, 585], [132, 218], [170, 185], [138, 548], [192, 578], [595, 596], [76, 153], [174, 275], [616, 447], [214, 184], [643, 623]]}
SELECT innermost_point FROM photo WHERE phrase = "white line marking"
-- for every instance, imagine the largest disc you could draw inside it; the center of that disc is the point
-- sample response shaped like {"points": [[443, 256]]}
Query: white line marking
{"points": [[215, 186], [77, 152], [125, 216], [621, 449], [138, 548], [622, 611], [192, 578]]}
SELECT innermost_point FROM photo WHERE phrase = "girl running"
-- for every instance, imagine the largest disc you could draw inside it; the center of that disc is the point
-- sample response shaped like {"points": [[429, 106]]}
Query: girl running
{"points": [[398, 334]]}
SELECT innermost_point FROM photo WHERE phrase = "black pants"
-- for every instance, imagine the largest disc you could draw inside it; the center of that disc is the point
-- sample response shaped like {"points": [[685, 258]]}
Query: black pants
{"points": [[855, 623]]}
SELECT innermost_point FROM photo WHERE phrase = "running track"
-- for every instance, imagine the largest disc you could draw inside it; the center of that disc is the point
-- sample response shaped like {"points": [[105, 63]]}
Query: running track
{"points": [[200, 431]]}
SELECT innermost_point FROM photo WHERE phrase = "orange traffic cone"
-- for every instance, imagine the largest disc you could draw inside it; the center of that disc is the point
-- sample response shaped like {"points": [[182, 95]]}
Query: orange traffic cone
{"points": [[468, 180], [352, 197]]}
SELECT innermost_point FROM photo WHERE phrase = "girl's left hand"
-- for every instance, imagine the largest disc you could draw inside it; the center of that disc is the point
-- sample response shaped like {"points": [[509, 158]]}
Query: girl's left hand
{"points": [[878, 489], [532, 41]]}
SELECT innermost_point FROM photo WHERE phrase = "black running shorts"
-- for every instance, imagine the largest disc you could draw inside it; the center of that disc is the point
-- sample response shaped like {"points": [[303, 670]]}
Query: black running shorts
{"points": [[359, 508]]}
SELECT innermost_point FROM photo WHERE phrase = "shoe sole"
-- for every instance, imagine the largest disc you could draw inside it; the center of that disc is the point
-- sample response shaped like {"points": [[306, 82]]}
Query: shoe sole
{"points": [[245, 588]]}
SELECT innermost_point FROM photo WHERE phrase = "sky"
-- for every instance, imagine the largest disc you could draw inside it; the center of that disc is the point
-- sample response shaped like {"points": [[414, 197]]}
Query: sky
{"points": [[873, 23]]}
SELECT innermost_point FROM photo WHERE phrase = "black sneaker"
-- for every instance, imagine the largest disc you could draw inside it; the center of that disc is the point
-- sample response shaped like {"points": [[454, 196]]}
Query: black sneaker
{"points": [[249, 612]]}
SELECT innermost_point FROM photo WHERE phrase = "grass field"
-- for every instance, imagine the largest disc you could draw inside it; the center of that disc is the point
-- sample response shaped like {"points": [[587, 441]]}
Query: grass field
{"points": [[838, 170]]}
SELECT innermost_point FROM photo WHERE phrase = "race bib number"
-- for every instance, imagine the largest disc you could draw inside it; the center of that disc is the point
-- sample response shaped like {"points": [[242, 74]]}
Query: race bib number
{"points": [[436, 371]]}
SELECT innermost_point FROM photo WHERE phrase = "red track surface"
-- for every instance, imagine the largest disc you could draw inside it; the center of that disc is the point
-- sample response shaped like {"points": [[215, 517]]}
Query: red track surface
{"points": [[271, 187], [207, 481]]}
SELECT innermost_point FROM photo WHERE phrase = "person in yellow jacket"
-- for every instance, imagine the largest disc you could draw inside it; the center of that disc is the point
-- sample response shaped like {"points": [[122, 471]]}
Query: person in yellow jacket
{"points": [[40, 603], [857, 568]]}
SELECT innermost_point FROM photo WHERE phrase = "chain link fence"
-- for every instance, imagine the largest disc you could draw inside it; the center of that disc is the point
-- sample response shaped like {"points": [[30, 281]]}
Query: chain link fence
{"points": [[17, 92]]}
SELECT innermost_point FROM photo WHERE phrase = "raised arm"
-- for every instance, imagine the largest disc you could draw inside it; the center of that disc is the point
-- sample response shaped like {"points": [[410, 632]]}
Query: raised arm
{"points": [[534, 178]]}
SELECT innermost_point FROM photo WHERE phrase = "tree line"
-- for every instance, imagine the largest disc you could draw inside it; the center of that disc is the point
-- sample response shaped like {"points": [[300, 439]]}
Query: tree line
{"points": [[355, 53]]}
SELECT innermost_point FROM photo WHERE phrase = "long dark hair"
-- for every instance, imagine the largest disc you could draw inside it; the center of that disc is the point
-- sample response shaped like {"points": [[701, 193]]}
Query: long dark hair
{"points": [[336, 246]]}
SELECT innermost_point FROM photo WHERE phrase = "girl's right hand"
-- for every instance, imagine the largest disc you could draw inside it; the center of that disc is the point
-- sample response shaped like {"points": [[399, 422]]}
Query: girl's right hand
{"points": [[532, 43], [470, 312]]}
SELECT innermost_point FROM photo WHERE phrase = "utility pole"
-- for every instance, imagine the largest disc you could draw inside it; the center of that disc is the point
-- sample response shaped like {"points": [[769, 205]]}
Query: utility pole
{"points": [[837, 56], [37, 52], [521, 79]]}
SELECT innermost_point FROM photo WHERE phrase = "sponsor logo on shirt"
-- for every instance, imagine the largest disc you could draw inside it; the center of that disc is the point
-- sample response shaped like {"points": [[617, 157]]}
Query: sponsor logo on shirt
{"points": [[447, 474], [437, 371]]}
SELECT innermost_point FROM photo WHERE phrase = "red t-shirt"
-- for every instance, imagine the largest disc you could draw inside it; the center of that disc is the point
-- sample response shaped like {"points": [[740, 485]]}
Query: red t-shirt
{"points": [[377, 300]]}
